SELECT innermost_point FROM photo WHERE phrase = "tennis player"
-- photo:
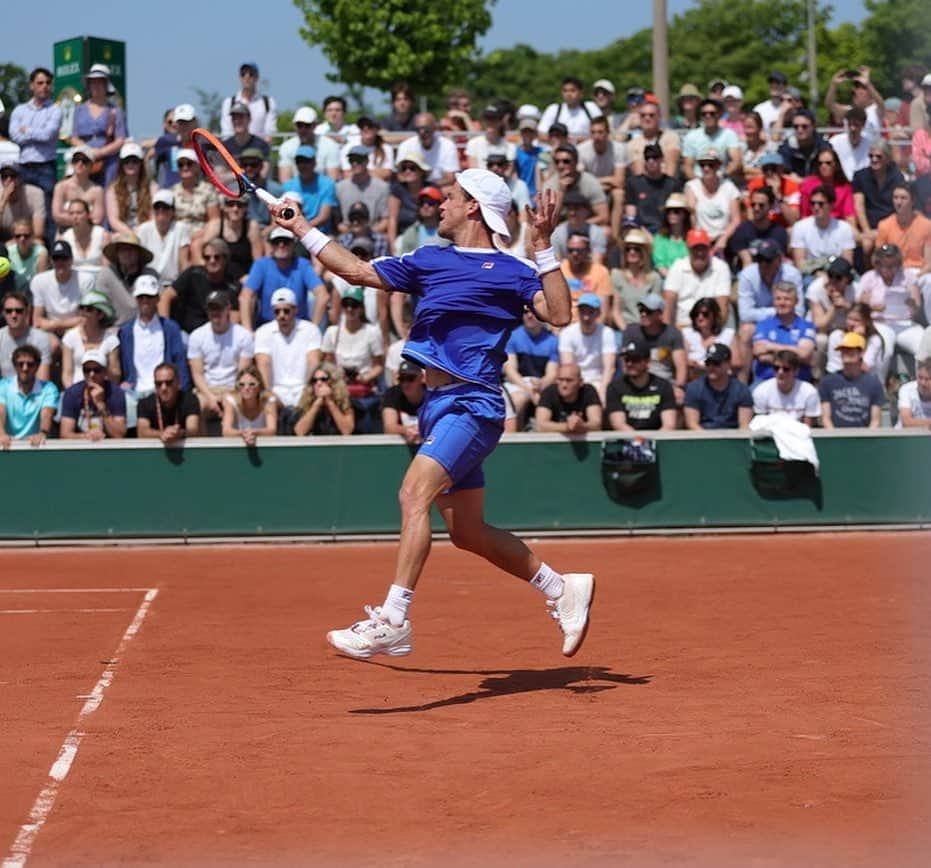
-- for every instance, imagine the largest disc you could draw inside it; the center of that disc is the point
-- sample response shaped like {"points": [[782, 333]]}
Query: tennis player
{"points": [[471, 296]]}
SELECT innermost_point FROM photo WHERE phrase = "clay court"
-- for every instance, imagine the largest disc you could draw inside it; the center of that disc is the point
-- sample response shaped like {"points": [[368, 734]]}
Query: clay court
{"points": [[747, 700]]}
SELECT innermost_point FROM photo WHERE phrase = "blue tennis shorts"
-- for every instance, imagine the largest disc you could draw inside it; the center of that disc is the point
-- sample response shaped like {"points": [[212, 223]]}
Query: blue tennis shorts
{"points": [[461, 425]]}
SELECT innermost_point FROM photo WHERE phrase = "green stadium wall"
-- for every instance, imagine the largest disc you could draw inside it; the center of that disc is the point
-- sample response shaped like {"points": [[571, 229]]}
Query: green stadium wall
{"points": [[327, 487]]}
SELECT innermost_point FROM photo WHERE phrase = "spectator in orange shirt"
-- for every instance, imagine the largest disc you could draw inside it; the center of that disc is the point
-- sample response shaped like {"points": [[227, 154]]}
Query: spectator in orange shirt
{"points": [[584, 276], [907, 229], [785, 209]]}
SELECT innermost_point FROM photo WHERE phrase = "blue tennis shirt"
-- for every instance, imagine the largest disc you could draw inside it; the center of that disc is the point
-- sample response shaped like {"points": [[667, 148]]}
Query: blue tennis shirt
{"points": [[470, 301]]}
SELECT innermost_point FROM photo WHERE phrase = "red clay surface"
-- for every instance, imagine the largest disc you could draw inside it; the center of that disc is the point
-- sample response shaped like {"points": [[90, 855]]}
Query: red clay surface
{"points": [[740, 701]]}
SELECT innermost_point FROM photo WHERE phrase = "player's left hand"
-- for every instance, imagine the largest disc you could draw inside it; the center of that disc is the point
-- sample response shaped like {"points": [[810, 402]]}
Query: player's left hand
{"points": [[544, 220]]}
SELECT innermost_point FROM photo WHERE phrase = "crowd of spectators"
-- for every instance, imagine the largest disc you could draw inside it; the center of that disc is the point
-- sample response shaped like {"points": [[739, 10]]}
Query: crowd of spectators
{"points": [[726, 261]]}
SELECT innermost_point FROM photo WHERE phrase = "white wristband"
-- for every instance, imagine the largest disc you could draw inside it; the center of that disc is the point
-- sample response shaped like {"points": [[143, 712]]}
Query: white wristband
{"points": [[315, 240], [546, 260]]}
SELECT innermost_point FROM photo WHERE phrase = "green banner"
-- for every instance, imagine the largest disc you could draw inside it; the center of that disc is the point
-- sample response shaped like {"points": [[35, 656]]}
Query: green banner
{"points": [[72, 59]]}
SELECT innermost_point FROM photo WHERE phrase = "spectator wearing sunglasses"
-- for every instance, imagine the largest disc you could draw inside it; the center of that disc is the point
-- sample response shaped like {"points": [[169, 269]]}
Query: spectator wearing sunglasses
{"points": [[568, 177], [800, 149], [711, 136], [196, 200], [18, 331], [358, 225], [185, 301], [784, 393], [717, 399], [785, 330], [27, 256], [318, 191], [242, 234], [324, 407], [27, 401], [93, 408], [816, 239], [424, 230], [171, 413], [786, 192], [437, 152], [77, 186], [252, 410], [286, 350], [282, 269]]}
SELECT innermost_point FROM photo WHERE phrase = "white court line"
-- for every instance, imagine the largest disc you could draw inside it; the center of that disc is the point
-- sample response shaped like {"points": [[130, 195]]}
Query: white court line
{"points": [[57, 611], [73, 590], [42, 807]]}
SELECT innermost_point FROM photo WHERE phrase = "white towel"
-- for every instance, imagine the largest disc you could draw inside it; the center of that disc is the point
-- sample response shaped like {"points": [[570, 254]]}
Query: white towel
{"points": [[793, 438]]}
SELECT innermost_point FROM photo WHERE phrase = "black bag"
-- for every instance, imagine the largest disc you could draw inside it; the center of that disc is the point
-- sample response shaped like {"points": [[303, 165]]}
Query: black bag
{"points": [[628, 467]]}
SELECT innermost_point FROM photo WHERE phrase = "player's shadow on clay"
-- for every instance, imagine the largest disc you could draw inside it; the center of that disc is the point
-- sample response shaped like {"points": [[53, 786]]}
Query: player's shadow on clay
{"points": [[576, 679]]}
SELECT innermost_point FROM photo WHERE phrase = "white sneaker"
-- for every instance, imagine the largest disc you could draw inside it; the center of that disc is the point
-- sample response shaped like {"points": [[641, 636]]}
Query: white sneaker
{"points": [[570, 611], [374, 635]]}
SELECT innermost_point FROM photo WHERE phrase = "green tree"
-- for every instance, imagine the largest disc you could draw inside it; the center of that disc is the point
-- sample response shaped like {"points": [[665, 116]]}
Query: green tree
{"points": [[14, 86], [895, 34], [209, 104], [376, 42]]}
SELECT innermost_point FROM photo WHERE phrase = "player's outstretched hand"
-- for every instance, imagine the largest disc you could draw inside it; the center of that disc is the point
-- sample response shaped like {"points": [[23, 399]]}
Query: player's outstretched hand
{"points": [[544, 220]]}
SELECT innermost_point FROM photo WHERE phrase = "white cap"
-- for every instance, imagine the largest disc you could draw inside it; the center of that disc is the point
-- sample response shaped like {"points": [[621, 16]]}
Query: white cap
{"points": [[96, 355], [184, 112], [82, 150], [165, 197], [604, 84], [131, 149], [146, 284], [187, 154], [305, 115], [284, 296], [2, 107], [528, 111], [98, 70], [293, 196], [280, 232], [732, 91], [493, 196], [926, 81]]}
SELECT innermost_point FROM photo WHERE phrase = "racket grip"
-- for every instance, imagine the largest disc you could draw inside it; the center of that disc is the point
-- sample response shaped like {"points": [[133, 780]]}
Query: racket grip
{"points": [[268, 199]]}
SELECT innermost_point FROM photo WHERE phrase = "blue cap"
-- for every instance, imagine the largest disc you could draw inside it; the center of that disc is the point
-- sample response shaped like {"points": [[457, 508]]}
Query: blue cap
{"points": [[308, 152], [589, 299]]}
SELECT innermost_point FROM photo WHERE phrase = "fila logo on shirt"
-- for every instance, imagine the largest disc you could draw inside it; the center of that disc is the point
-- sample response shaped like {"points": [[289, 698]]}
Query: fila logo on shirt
{"points": [[488, 265]]}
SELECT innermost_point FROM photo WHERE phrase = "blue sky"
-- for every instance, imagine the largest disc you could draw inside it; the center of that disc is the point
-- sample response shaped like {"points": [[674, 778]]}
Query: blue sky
{"points": [[174, 45]]}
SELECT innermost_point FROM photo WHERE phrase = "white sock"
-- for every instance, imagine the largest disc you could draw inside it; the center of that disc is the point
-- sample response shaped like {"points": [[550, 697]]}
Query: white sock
{"points": [[548, 581], [396, 604]]}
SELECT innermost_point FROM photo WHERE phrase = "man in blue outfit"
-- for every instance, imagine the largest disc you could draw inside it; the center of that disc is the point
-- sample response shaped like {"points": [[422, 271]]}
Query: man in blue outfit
{"points": [[471, 296]]}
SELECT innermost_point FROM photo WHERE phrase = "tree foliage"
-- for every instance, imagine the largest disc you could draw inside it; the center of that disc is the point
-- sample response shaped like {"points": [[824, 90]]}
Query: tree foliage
{"points": [[374, 43], [14, 86], [738, 40]]}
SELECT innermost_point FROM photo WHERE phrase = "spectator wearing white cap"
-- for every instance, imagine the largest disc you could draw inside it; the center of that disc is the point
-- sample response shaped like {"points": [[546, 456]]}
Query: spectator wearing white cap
{"points": [[94, 407], [148, 340], [176, 136], [528, 165], [129, 196], [167, 239], [733, 117], [604, 95], [263, 110], [286, 351], [327, 151], [196, 199], [99, 124], [284, 268]]}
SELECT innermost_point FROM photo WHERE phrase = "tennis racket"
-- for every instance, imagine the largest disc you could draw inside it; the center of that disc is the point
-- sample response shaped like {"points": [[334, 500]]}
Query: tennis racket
{"points": [[225, 173]]}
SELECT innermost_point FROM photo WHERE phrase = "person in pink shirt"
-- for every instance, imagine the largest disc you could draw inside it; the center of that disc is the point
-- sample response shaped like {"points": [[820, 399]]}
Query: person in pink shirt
{"points": [[828, 170]]}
